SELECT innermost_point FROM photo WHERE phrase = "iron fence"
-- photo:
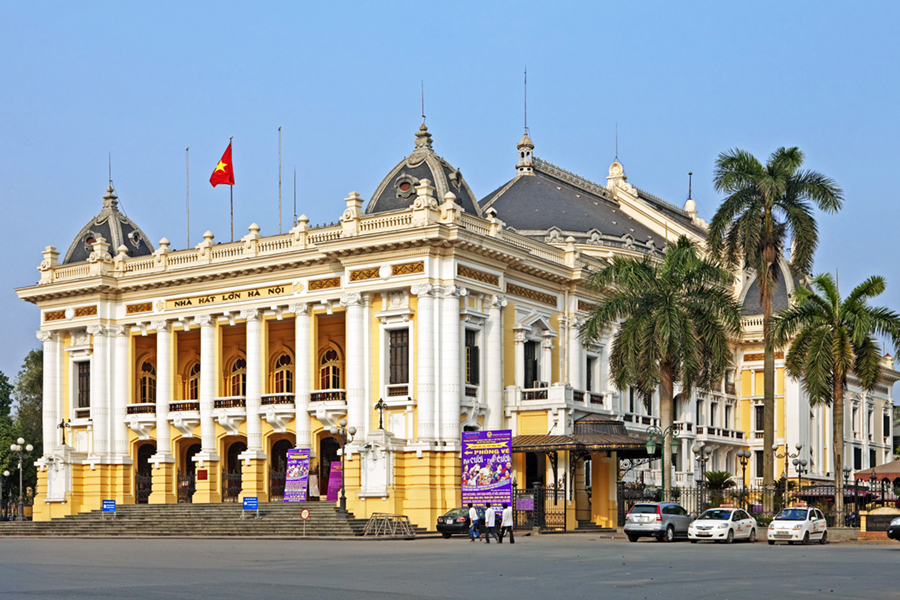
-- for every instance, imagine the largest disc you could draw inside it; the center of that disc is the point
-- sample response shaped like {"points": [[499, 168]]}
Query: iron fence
{"points": [[143, 486], [231, 486], [186, 487], [276, 485], [539, 507]]}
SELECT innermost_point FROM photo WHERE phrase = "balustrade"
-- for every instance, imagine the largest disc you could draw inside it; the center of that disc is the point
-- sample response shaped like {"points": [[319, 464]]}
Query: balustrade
{"points": [[534, 394], [230, 402], [184, 406], [327, 395], [141, 409], [267, 399]]}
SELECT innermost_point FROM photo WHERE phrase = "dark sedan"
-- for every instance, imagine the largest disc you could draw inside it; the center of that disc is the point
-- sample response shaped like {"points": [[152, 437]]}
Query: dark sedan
{"points": [[456, 520]]}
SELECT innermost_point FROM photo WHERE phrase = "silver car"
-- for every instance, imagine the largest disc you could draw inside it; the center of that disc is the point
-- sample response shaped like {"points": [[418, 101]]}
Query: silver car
{"points": [[663, 520]]}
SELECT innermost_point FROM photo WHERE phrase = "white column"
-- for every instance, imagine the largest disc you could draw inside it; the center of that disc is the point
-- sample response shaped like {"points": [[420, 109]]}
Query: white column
{"points": [[424, 353], [493, 368], [164, 385], [450, 363], [520, 358], [546, 359], [302, 374], [354, 366], [254, 378], [207, 387], [119, 403], [576, 355], [49, 406], [100, 413]]}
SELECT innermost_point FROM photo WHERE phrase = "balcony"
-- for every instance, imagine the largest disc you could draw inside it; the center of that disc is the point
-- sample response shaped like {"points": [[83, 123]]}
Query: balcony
{"points": [[141, 418], [585, 397], [640, 419], [277, 410], [684, 426], [328, 395], [535, 393], [230, 412], [184, 416], [184, 406], [719, 433]]}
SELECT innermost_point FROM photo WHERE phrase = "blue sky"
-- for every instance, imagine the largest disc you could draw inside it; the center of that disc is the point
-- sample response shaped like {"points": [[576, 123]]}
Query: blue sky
{"points": [[684, 82]]}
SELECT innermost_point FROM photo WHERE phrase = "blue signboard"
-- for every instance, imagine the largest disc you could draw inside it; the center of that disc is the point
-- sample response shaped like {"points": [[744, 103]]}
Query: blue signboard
{"points": [[109, 506], [251, 503]]}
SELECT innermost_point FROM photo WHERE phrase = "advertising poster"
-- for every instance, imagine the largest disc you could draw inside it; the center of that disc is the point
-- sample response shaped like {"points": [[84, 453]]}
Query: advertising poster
{"points": [[297, 475], [334, 482], [487, 467]]}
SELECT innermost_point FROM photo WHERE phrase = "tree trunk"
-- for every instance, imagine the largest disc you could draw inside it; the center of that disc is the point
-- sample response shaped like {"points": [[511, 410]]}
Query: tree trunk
{"points": [[837, 433], [666, 413], [768, 388]]}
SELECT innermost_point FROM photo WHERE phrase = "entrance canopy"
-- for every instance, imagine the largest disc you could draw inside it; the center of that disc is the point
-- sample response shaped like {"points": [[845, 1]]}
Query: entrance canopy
{"points": [[886, 472], [593, 433]]}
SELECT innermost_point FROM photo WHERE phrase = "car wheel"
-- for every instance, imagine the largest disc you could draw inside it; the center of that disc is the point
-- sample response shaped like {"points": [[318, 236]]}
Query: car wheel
{"points": [[446, 535], [752, 538], [771, 542], [806, 539], [670, 534], [824, 539], [730, 537], [693, 541], [632, 538]]}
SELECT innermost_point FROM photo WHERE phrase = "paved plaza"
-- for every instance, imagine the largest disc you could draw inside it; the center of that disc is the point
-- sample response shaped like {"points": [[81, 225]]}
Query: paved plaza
{"points": [[559, 566]]}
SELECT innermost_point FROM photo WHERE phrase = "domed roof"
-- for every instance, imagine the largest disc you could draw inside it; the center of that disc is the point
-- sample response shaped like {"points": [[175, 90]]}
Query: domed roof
{"points": [[398, 190], [114, 227], [784, 287]]}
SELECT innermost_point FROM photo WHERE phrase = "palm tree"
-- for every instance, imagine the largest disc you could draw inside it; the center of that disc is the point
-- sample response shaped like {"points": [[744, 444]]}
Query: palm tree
{"points": [[677, 314], [767, 205], [831, 338]]}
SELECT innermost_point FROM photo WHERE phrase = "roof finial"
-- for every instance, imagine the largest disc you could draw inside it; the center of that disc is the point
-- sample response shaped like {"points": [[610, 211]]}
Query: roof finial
{"points": [[110, 169], [690, 207], [617, 142], [526, 100], [690, 182], [423, 102]]}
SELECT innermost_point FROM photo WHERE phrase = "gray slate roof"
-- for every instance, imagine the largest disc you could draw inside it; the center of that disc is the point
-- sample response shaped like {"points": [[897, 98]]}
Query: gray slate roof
{"points": [[114, 227]]}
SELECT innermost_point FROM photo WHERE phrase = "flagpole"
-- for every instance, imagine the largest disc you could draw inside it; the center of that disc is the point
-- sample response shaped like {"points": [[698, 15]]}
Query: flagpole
{"points": [[295, 197], [187, 187], [279, 180], [231, 187]]}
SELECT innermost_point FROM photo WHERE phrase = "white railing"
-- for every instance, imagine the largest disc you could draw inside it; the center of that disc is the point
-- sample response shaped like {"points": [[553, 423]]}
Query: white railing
{"points": [[276, 244], [474, 224], [73, 272], [387, 222]]}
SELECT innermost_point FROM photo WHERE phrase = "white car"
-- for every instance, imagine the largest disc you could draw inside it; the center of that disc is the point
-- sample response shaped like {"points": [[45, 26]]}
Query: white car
{"points": [[723, 525], [798, 524]]}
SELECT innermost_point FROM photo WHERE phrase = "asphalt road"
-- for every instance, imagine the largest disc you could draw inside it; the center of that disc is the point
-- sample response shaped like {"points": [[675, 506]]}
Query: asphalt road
{"points": [[546, 567]]}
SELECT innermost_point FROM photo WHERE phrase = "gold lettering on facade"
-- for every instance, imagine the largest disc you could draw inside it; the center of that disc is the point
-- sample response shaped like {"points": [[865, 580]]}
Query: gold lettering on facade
{"points": [[277, 290]]}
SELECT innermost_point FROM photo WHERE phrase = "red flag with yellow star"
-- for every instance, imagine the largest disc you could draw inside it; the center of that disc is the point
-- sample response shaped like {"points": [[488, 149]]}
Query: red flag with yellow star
{"points": [[224, 172]]}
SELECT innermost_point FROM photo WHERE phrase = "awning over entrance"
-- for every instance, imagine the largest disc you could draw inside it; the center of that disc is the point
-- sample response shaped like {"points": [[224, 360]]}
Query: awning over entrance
{"points": [[886, 472], [625, 446]]}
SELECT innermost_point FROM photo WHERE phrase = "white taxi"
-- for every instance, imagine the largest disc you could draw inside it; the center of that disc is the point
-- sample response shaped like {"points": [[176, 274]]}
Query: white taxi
{"points": [[723, 525], [798, 524]]}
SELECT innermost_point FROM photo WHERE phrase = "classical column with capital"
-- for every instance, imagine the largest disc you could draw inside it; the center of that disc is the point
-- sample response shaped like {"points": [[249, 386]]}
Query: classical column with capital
{"points": [[450, 363], [163, 471], [575, 360], [302, 373], [50, 402], [121, 382], [493, 371], [254, 378], [547, 359], [425, 397], [208, 481], [354, 366], [100, 413]]}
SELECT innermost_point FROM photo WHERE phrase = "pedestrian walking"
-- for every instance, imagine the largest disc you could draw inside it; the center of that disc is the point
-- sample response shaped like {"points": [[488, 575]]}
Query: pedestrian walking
{"points": [[490, 521], [506, 524], [473, 524]]}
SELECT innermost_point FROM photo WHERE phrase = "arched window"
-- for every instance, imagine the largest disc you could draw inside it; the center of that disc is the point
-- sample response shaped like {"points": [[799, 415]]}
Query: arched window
{"points": [[330, 370], [238, 378], [148, 383], [284, 375], [193, 387]]}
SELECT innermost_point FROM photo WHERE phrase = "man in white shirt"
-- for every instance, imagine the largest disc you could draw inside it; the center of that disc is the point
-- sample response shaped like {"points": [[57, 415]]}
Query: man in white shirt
{"points": [[506, 524], [490, 521], [473, 524]]}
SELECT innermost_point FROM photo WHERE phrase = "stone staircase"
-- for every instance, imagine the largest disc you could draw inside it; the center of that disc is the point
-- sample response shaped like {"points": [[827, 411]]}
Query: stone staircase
{"points": [[589, 527], [278, 519]]}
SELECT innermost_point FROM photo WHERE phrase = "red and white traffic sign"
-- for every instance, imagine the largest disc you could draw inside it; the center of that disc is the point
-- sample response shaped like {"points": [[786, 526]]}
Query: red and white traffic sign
{"points": [[304, 514]]}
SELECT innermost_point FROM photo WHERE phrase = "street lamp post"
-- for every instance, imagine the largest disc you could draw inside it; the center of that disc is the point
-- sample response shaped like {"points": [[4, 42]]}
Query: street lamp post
{"points": [[344, 436], [702, 453], [662, 434], [786, 456], [800, 467], [18, 448], [843, 491], [744, 457], [2, 504]]}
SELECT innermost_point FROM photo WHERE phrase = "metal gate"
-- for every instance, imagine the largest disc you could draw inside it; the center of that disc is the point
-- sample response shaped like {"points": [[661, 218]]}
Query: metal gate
{"points": [[276, 486], [143, 486], [231, 486], [541, 508], [186, 487]]}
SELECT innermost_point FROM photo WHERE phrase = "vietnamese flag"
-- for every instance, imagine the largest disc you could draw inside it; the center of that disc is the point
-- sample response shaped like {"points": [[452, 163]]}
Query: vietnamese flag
{"points": [[224, 172]]}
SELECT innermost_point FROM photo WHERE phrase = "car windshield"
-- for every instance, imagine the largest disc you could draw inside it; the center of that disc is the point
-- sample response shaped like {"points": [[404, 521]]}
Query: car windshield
{"points": [[716, 514], [643, 509], [792, 514]]}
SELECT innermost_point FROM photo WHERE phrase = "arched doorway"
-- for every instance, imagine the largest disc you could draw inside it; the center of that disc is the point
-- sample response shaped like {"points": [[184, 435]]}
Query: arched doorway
{"points": [[328, 453], [186, 482], [143, 479], [278, 469], [231, 477], [534, 469]]}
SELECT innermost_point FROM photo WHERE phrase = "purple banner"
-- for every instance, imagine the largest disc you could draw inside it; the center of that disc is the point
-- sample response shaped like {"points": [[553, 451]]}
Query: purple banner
{"points": [[297, 475], [334, 482], [487, 467]]}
